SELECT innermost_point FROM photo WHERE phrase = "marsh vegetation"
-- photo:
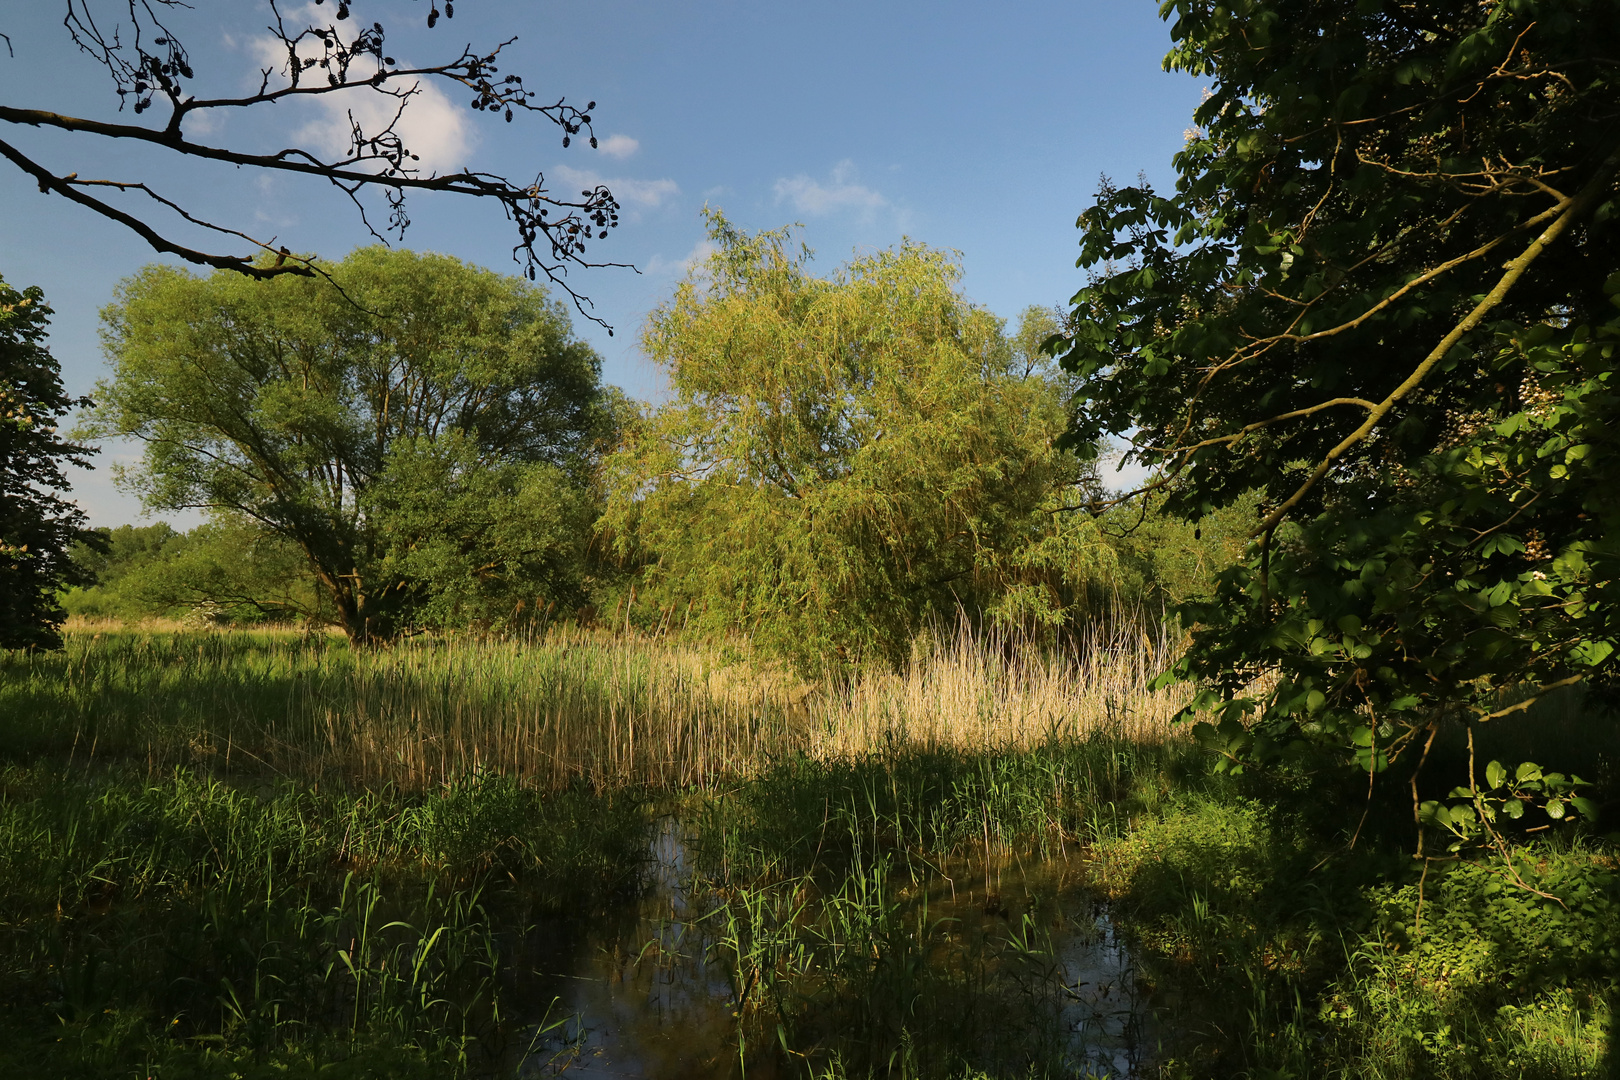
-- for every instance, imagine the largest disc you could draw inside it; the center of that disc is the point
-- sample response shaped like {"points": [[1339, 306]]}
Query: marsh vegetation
{"points": [[626, 852]]}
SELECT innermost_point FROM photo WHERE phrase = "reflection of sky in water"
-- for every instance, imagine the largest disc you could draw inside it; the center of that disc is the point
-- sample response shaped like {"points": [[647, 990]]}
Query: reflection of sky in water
{"points": [[1107, 1013], [635, 995]]}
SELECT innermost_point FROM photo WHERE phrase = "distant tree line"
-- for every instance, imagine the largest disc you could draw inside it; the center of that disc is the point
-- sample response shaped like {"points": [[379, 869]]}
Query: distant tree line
{"points": [[426, 446]]}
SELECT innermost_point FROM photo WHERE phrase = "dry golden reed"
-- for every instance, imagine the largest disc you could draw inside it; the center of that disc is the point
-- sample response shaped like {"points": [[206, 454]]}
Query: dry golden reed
{"points": [[992, 693], [576, 705], [609, 709]]}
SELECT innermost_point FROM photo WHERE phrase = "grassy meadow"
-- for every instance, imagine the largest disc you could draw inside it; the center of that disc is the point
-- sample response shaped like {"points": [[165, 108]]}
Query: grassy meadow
{"points": [[265, 853]]}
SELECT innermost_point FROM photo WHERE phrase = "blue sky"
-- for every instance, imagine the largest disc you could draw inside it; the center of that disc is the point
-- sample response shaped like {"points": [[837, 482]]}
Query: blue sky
{"points": [[977, 127]]}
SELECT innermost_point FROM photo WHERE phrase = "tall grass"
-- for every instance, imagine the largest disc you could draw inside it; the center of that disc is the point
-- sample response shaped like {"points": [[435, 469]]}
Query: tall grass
{"points": [[572, 706], [178, 869], [990, 692]]}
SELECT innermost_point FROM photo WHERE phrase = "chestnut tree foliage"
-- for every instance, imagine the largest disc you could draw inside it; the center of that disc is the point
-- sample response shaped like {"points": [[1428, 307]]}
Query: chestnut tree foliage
{"points": [[37, 526], [842, 459], [1382, 295], [422, 434], [167, 97]]}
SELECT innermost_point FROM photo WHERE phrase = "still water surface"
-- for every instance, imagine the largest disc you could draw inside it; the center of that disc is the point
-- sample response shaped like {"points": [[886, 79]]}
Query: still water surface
{"points": [[645, 992]]}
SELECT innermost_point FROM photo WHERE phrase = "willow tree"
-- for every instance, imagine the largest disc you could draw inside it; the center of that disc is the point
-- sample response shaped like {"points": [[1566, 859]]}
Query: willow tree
{"points": [[843, 458], [1382, 294]]}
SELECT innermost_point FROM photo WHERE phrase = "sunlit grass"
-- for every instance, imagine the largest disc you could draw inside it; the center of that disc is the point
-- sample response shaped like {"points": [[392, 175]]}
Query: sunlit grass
{"points": [[570, 706]]}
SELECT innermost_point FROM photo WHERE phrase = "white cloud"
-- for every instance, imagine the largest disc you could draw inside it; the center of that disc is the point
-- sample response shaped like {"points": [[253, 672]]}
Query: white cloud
{"points": [[431, 127], [205, 123], [841, 193], [658, 265], [648, 193], [618, 146]]}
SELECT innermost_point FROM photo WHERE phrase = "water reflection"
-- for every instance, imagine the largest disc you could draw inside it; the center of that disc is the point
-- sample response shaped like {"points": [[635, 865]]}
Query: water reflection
{"points": [[646, 992]]}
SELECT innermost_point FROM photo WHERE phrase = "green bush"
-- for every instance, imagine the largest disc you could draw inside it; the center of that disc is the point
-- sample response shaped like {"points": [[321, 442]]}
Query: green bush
{"points": [[225, 571]]}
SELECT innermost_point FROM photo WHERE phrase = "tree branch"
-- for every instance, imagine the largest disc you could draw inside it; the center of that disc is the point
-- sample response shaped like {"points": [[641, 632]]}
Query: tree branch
{"points": [[63, 186], [1568, 213], [1361, 403], [149, 65], [1531, 700]]}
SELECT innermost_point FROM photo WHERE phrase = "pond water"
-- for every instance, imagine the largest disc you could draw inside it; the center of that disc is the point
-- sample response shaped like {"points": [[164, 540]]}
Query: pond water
{"points": [[1014, 947]]}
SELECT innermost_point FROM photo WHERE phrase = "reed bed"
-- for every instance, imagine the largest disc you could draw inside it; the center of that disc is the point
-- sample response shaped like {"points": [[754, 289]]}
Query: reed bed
{"points": [[987, 693], [571, 706]]}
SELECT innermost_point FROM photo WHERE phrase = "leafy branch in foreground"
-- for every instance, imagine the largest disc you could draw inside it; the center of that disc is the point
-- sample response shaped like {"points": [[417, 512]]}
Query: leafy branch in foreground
{"points": [[341, 60], [1382, 298]]}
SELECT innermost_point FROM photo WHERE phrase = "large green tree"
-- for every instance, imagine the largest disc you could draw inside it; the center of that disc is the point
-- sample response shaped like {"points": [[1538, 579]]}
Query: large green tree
{"points": [[1381, 295], [422, 433], [37, 526], [843, 458]]}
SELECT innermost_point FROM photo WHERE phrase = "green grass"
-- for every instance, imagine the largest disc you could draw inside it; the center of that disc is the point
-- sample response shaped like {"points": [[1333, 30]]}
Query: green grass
{"points": [[554, 712], [267, 855], [1327, 970], [161, 924]]}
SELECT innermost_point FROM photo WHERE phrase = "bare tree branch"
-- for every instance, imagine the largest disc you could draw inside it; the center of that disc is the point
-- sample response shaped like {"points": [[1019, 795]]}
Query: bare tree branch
{"points": [[150, 66], [64, 186]]}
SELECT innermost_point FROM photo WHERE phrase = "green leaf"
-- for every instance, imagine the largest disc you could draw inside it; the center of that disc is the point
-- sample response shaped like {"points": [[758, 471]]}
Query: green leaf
{"points": [[1436, 528], [1495, 774]]}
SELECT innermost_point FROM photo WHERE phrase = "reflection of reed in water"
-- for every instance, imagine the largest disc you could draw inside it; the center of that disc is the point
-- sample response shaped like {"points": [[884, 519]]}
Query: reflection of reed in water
{"points": [[711, 977]]}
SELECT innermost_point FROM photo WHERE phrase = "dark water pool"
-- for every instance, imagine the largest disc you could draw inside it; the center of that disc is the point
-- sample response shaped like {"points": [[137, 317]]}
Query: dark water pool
{"points": [[1015, 947]]}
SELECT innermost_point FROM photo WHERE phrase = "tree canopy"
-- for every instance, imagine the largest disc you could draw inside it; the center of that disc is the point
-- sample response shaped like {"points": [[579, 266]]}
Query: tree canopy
{"points": [[1381, 296], [37, 526], [842, 458], [423, 434]]}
